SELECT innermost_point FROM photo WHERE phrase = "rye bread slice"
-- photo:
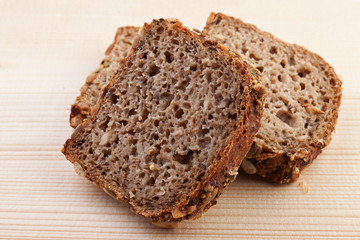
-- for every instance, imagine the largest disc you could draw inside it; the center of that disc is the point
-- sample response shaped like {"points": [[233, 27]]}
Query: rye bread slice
{"points": [[171, 128], [97, 80], [302, 107]]}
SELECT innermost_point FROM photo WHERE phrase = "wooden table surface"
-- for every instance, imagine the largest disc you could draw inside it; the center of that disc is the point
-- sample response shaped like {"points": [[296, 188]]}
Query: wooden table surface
{"points": [[47, 48]]}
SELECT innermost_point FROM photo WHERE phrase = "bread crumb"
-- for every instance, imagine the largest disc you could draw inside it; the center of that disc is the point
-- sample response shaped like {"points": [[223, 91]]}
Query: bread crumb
{"points": [[304, 187]]}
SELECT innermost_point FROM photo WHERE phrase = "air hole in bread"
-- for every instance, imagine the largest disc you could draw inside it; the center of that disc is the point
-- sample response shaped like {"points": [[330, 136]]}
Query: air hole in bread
{"points": [[90, 151], [165, 100], [169, 57], [326, 99], [183, 123], [153, 70], [132, 112], [133, 151], [273, 50], [232, 116], [133, 141], [255, 57], [144, 114], [204, 131], [193, 68], [104, 124], [302, 86], [166, 175], [200, 176], [186, 105], [144, 55], [208, 76], [292, 61], [286, 117], [182, 86], [151, 181], [184, 159], [113, 97], [283, 63], [154, 136], [303, 72], [129, 64], [179, 113], [160, 30], [123, 123], [260, 68], [332, 82]]}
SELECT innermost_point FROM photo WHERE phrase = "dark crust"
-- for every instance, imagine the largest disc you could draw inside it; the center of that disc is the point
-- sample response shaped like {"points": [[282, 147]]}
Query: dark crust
{"points": [[78, 112], [282, 168], [224, 171]]}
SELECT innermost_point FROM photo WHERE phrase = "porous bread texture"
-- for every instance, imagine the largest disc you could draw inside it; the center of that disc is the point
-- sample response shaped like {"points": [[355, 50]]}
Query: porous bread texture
{"points": [[301, 109], [97, 80], [172, 127]]}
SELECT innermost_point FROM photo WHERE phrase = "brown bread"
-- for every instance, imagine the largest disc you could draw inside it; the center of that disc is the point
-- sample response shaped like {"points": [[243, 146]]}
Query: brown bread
{"points": [[97, 80], [301, 109], [172, 127]]}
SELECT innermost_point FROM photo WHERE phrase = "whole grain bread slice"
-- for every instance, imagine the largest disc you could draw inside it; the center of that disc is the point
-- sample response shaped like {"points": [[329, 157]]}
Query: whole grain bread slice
{"points": [[97, 80], [172, 127], [302, 107]]}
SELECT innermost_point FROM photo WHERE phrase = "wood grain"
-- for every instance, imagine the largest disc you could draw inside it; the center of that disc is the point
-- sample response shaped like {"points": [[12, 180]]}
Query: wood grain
{"points": [[47, 48]]}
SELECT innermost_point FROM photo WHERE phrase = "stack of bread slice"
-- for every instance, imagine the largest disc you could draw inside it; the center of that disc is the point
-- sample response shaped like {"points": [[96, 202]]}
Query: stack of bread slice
{"points": [[170, 115]]}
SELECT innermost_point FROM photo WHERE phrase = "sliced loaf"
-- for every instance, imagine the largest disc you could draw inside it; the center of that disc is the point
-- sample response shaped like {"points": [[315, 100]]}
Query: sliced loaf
{"points": [[172, 127], [97, 80], [302, 107]]}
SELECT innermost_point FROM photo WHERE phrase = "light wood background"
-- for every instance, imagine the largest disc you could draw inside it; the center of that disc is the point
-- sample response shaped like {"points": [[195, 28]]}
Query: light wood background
{"points": [[47, 48]]}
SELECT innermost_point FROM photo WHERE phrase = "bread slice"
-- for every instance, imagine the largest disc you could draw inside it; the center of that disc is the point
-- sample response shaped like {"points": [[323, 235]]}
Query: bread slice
{"points": [[173, 125], [97, 80], [302, 107]]}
